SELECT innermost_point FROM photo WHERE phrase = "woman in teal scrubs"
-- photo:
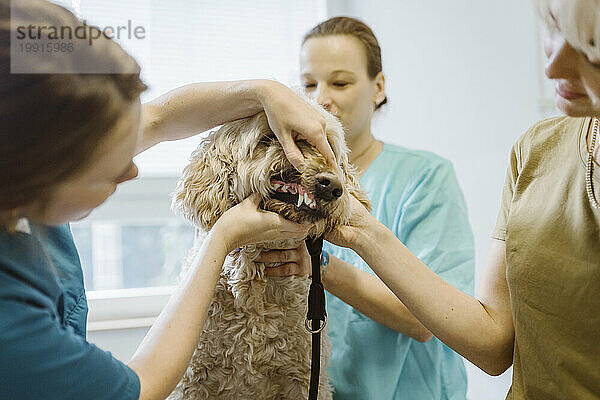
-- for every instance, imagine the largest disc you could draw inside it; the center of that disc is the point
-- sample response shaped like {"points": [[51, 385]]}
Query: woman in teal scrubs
{"points": [[66, 141], [380, 350]]}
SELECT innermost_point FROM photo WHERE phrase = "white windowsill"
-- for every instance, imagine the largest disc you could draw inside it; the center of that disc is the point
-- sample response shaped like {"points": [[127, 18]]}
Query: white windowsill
{"points": [[126, 308], [146, 198]]}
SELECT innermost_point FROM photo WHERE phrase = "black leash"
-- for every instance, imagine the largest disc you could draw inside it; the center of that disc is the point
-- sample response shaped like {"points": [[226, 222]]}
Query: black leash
{"points": [[316, 313]]}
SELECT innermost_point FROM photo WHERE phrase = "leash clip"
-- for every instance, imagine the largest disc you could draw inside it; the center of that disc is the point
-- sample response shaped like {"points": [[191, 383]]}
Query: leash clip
{"points": [[316, 295], [310, 330]]}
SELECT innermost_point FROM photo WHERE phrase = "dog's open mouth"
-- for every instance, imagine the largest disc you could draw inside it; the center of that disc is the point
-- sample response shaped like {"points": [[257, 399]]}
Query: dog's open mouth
{"points": [[293, 193]]}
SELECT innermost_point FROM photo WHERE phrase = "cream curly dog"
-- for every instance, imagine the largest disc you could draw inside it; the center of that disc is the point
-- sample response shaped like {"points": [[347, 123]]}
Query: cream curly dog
{"points": [[254, 344]]}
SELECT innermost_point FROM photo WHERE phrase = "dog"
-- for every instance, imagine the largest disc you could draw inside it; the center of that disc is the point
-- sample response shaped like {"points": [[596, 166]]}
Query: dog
{"points": [[254, 344]]}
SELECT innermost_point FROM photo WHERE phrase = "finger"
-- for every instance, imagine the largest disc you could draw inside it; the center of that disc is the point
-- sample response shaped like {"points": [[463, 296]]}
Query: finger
{"points": [[303, 249], [279, 256], [254, 198], [321, 143], [280, 270], [287, 269], [292, 152], [285, 225], [293, 229]]}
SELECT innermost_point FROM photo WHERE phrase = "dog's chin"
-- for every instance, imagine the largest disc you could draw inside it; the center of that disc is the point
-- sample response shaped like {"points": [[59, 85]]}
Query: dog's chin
{"points": [[290, 197], [285, 204]]}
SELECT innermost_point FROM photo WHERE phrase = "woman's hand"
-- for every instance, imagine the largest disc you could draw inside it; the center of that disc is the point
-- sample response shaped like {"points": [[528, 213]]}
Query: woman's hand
{"points": [[194, 108], [246, 224], [291, 118], [295, 261], [353, 234]]}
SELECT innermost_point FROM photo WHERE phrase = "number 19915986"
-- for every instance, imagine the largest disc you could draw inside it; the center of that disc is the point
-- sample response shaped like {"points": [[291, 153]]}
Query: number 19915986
{"points": [[46, 47]]}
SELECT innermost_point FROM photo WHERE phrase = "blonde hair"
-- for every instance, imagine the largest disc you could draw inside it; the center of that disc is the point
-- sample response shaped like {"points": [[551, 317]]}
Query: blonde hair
{"points": [[577, 20]]}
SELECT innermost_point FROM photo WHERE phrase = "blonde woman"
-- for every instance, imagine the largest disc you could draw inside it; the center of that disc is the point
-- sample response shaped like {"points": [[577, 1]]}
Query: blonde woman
{"points": [[538, 305]]}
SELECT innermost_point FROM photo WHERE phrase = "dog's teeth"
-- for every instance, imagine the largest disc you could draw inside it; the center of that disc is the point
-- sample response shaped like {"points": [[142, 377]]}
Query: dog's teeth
{"points": [[306, 198], [300, 199], [284, 188], [276, 186]]}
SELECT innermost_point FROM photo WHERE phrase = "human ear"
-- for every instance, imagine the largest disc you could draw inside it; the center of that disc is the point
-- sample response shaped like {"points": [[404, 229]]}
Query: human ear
{"points": [[379, 95]]}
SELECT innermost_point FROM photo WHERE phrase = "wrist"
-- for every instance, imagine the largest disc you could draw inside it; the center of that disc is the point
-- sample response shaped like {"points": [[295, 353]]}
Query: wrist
{"points": [[220, 235], [152, 126], [372, 233], [263, 89]]}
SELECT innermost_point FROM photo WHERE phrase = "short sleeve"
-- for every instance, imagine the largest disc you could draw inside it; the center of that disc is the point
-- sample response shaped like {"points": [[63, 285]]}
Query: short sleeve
{"points": [[508, 191], [433, 224], [42, 359]]}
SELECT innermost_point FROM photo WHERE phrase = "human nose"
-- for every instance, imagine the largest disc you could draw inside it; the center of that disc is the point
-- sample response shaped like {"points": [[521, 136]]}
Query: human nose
{"points": [[562, 59], [131, 173], [322, 96]]}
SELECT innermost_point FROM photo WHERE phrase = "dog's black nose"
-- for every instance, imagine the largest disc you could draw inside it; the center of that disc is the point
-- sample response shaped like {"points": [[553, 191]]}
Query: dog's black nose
{"points": [[329, 186]]}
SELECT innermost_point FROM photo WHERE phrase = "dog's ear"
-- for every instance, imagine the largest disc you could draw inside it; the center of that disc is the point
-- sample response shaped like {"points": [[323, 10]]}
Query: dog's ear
{"points": [[362, 197], [202, 193]]}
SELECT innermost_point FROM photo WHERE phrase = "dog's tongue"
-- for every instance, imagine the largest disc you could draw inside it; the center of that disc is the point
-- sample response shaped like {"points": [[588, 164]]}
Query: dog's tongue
{"points": [[282, 186], [304, 196]]}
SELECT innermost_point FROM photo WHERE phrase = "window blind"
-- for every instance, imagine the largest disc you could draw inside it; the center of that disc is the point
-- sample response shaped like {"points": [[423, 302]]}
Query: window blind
{"points": [[194, 41]]}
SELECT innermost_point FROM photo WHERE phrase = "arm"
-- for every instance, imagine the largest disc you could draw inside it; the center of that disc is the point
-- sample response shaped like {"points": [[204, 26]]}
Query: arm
{"points": [[173, 337], [430, 217], [479, 329], [369, 295], [165, 352], [195, 108], [361, 290]]}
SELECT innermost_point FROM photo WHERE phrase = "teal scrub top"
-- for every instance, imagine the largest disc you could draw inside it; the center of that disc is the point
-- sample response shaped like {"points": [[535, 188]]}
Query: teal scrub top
{"points": [[417, 196], [43, 310]]}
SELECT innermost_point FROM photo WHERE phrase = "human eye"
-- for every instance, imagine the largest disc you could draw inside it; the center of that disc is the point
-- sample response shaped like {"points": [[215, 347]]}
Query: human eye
{"points": [[340, 84], [309, 85]]}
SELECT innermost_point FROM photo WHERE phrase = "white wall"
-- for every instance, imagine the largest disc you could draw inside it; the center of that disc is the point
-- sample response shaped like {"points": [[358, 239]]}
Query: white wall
{"points": [[462, 81]]}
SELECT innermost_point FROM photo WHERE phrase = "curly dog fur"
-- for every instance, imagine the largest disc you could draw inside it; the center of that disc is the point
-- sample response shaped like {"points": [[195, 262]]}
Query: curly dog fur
{"points": [[254, 344]]}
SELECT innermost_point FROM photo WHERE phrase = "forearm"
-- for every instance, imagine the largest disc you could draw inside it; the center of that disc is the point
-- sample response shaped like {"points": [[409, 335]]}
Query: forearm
{"points": [[368, 295], [194, 108], [477, 331], [164, 354]]}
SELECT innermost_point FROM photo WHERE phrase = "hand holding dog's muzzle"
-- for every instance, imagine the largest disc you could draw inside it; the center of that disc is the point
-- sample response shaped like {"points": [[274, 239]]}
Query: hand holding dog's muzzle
{"points": [[292, 118], [246, 224]]}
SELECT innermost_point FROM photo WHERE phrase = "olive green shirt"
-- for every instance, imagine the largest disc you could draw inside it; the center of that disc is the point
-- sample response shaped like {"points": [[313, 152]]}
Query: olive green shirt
{"points": [[552, 236]]}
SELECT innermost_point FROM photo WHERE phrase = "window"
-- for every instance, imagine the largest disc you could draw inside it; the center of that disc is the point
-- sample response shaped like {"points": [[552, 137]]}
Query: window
{"points": [[132, 254], [134, 240]]}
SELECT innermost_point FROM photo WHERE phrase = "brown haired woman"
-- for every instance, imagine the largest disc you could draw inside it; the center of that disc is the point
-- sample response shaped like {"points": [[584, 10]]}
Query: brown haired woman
{"points": [[538, 306], [380, 350], [66, 142]]}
